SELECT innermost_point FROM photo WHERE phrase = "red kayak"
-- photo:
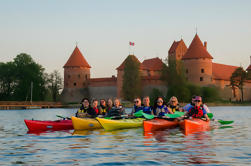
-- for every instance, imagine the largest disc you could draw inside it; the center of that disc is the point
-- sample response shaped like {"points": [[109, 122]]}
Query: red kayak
{"points": [[194, 125], [38, 125], [159, 124]]}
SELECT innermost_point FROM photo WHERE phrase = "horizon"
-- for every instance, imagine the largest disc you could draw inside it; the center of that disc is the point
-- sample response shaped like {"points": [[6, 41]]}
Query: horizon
{"points": [[49, 31]]}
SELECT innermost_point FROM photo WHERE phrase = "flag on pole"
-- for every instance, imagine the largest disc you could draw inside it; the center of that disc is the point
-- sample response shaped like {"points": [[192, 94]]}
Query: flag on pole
{"points": [[131, 43]]}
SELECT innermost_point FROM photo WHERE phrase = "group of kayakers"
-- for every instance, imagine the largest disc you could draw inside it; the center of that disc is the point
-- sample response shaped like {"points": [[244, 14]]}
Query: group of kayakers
{"points": [[105, 108], [112, 108]]}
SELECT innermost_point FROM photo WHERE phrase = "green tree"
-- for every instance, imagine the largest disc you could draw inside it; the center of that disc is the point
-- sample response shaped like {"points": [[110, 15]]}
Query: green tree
{"points": [[210, 94], [154, 94], [7, 80], [55, 84], [28, 72], [131, 78], [175, 80], [237, 80]]}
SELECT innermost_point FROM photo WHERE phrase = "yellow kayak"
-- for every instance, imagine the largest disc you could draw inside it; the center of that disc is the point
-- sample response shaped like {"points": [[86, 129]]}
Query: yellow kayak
{"points": [[85, 123], [109, 124]]}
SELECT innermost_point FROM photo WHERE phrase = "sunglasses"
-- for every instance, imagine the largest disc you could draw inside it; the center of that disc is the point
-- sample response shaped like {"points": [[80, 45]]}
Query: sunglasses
{"points": [[196, 100], [159, 101], [136, 101], [173, 101]]}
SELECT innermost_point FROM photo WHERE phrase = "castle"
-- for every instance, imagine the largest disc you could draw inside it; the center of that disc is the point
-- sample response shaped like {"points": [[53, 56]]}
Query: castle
{"points": [[199, 69]]}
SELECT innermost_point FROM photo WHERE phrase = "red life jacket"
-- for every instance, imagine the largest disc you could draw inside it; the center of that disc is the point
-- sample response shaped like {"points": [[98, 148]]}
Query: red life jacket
{"points": [[96, 110], [196, 112]]}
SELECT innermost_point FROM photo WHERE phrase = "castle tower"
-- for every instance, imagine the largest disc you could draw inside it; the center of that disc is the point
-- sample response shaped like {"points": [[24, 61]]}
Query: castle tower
{"points": [[177, 50], [198, 63], [120, 73], [249, 70], [76, 76]]}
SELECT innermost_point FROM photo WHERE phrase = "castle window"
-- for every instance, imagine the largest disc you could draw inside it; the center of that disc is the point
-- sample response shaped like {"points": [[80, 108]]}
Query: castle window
{"points": [[186, 70], [79, 76], [66, 84], [69, 76], [202, 70], [86, 77], [74, 83], [148, 73], [201, 78]]}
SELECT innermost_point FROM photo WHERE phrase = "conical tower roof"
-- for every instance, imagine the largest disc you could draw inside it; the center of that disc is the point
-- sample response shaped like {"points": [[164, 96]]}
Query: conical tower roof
{"points": [[122, 66], [196, 50], [77, 60]]}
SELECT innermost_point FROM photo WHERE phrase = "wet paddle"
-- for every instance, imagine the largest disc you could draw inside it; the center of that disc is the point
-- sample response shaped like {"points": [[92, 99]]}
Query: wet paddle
{"points": [[141, 113], [177, 114], [63, 117], [223, 122]]}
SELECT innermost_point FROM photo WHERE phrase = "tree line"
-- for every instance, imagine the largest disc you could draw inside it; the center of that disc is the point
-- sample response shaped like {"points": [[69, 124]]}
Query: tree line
{"points": [[23, 74], [173, 76]]}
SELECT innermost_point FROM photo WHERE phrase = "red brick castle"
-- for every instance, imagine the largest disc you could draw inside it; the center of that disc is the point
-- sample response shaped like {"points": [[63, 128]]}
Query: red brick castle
{"points": [[197, 61]]}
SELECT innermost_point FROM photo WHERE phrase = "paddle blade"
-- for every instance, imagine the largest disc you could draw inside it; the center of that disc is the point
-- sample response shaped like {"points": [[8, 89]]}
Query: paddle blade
{"points": [[175, 115], [147, 116], [61, 116], [138, 114], [224, 122], [210, 115]]}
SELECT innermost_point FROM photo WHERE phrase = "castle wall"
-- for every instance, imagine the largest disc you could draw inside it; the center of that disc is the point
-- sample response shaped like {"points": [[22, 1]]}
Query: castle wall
{"points": [[103, 92], [73, 95], [119, 82], [198, 71], [147, 89]]}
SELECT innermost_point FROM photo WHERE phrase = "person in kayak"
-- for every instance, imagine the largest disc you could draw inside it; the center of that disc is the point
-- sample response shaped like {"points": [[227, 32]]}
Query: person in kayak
{"points": [[85, 110], [95, 106], [173, 105], [102, 107], [109, 105], [146, 106], [160, 108], [190, 105], [137, 105], [117, 109], [197, 111]]}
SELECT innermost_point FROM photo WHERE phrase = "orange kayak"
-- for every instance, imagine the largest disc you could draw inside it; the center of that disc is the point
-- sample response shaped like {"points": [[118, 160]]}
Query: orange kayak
{"points": [[159, 124], [194, 125]]}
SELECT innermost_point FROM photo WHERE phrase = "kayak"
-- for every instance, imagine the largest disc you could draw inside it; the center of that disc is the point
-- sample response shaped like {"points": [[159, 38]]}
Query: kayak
{"points": [[39, 125], [159, 124], [85, 123], [110, 124], [194, 125]]}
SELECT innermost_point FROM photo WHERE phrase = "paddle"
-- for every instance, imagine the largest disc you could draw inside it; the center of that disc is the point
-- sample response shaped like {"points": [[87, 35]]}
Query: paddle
{"points": [[63, 117], [175, 115], [141, 113], [223, 122], [116, 117]]}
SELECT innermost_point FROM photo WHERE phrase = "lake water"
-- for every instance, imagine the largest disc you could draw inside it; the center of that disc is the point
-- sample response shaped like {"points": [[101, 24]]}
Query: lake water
{"points": [[223, 145]]}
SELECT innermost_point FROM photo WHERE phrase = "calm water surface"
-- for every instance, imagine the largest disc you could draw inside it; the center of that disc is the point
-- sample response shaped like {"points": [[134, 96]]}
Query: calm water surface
{"points": [[223, 145]]}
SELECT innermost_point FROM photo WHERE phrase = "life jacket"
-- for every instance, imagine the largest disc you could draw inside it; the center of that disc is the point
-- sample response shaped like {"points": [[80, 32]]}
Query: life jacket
{"points": [[196, 112], [148, 110], [85, 112], [174, 108], [136, 109], [161, 110], [116, 111], [102, 110], [96, 110]]}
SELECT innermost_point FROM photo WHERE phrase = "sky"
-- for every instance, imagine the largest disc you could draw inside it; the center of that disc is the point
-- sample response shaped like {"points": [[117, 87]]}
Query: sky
{"points": [[49, 30]]}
